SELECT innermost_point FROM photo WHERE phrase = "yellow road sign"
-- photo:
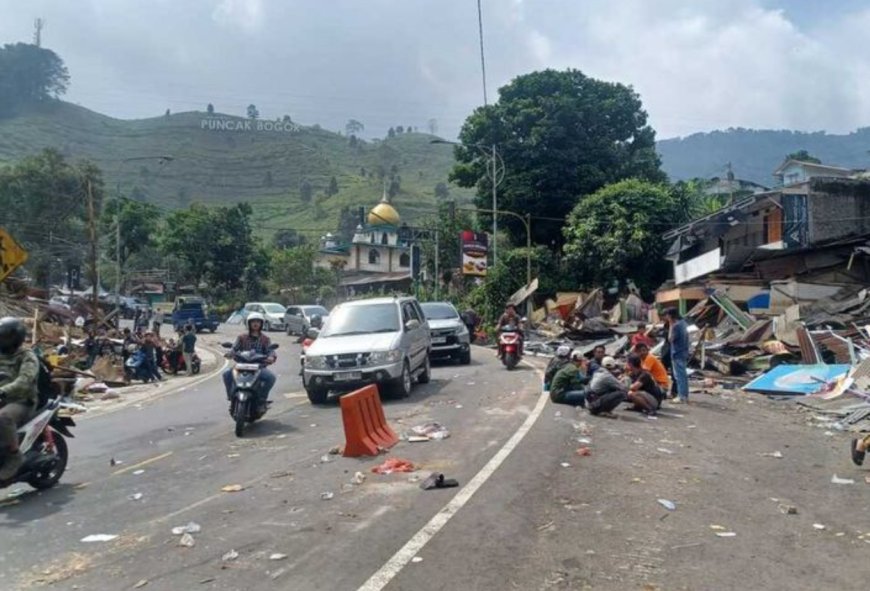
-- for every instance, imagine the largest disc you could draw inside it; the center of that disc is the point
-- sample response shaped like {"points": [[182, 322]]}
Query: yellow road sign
{"points": [[12, 255]]}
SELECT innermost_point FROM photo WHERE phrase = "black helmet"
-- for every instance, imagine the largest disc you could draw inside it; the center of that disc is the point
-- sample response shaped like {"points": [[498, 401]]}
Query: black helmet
{"points": [[316, 321], [12, 335]]}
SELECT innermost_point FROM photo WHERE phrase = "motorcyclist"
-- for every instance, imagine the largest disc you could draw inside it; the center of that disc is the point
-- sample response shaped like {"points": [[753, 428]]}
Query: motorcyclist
{"points": [[254, 340], [511, 318], [18, 391]]}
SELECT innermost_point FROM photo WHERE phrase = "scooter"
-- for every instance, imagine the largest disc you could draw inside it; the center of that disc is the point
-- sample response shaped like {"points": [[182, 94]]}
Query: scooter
{"points": [[509, 346], [135, 368], [243, 399], [195, 362], [42, 442]]}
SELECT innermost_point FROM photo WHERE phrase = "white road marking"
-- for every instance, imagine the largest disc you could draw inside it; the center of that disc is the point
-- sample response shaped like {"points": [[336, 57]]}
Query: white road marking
{"points": [[412, 548]]}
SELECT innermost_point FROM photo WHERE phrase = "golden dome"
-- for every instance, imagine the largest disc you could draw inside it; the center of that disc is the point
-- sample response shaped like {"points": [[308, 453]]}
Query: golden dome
{"points": [[382, 214]]}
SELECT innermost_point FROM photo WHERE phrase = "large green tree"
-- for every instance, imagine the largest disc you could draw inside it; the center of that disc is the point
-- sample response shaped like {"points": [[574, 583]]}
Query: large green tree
{"points": [[138, 222], [28, 75], [615, 234], [561, 136]]}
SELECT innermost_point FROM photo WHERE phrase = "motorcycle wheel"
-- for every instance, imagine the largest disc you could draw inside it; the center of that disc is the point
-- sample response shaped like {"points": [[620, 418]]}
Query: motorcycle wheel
{"points": [[510, 360], [42, 481], [240, 417], [196, 367]]}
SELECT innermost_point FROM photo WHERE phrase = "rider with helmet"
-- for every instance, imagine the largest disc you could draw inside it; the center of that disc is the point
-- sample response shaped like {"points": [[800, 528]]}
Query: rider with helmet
{"points": [[254, 340], [19, 370]]}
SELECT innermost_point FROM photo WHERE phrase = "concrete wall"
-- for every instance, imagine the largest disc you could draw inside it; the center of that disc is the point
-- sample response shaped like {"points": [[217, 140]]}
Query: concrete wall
{"points": [[838, 209]]}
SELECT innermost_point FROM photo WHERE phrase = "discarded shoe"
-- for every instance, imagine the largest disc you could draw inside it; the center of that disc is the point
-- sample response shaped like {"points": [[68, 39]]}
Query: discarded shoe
{"points": [[857, 454], [436, 480]]}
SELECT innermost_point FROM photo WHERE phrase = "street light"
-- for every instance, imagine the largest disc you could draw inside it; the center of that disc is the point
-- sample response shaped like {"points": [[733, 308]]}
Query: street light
{"points": [[496, 176]]}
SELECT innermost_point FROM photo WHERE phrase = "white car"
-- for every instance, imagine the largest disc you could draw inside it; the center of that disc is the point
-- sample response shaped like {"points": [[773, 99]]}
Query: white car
{"points": [[273, 312]]}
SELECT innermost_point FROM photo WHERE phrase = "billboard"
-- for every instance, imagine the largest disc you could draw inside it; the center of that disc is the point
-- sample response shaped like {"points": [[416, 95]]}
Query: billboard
{"points": [[474, 246]]}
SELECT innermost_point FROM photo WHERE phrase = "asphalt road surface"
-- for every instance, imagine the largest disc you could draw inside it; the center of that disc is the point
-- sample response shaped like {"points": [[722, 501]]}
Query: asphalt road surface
{"points": [[531, 513]]}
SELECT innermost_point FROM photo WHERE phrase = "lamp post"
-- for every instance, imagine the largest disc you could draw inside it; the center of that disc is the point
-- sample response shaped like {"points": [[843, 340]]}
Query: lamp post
{"points": [[495, 173]]}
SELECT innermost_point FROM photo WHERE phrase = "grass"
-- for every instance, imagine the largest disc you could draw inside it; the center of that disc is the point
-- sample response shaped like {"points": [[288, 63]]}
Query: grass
{"points": [[218, 167]]}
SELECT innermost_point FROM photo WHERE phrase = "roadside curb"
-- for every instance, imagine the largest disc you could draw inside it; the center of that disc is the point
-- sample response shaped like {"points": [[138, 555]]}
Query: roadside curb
{"points": [[173, 389]]}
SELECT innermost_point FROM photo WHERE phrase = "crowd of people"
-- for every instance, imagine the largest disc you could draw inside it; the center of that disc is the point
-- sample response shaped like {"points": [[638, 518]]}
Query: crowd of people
{"points": [[601, 383]]}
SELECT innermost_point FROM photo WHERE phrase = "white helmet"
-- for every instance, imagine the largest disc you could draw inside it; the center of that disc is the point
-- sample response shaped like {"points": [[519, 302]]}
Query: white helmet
{"points": [[255, 316], [563, 351]]}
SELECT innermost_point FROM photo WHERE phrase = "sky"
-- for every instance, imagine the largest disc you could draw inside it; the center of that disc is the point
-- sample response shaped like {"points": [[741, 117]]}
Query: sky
{"points": [[698, 65]]}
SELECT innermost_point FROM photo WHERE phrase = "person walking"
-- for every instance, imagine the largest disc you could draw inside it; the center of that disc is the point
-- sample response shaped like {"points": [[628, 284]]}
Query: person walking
{"points": [[188, 347], [678, 338], [158, 322]]}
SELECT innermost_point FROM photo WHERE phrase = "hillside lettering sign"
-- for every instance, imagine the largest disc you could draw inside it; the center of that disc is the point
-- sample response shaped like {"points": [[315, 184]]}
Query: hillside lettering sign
{"points": [[218, 124]]}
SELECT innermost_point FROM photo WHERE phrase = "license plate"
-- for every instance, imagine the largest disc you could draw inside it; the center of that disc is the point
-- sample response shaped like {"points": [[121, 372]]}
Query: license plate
{"points": [[439, 340], [349, 376]]}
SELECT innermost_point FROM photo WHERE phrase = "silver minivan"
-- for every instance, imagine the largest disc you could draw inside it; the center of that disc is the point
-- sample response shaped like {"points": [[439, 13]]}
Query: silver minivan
{"points": [[382, 341]]}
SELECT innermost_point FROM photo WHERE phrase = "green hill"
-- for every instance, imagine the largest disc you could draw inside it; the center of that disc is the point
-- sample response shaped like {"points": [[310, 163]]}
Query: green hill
{"points": [[265, 168], [755, 154]]}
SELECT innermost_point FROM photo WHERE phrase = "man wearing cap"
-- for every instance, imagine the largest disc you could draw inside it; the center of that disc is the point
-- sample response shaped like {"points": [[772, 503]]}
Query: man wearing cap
{"points": [[569, 383], [562, 358], [606, 392]]}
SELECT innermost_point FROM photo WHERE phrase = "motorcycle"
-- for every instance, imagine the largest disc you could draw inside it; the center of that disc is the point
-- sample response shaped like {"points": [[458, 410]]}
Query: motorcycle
{"points": [[509, 346], [181, 366], [42, 442], [246, 373], [135, 367]]}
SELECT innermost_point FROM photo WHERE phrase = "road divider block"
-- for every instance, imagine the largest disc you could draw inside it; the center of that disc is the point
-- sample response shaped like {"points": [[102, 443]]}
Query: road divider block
{"points": [[366, 431]]}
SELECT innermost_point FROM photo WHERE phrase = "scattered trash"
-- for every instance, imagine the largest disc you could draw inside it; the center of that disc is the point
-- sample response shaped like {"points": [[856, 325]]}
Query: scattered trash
{"points": [[867, 479], [458, 406], [138, 472], [233, 455], [358, 478], [98, 538], [565, 465], [584, 440], [818, 526], [417, 559], [417, 439], [325, 459], [718, 527], [231, 488], [187, 541], [774, 454], [229, 556], [431, 431], [787, 509], [837, 480], [391, 465], [726, 534], [335, 450], [437, 480], [326, 496], [114, 462], [669, 505], [136, 497], [665, 450], [277, 556], [281, 474], [140, 584], [190, 528], [584, 451]]}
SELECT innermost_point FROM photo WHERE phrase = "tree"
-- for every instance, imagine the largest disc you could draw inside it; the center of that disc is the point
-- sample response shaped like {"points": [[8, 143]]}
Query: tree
{"points": [[391, 132], [167, 113], [253, 113], [441, 191], [306, 191], [348, 220], [354, 127], [615, 234], [287, 238], [139, 222], [803, 156], [352, 141], [400, 130], [395, 186], [362, 171], [286, 119], [210, 109], [333, 187], [433, 126], [29, 75], [409, 129], [562, 136]]}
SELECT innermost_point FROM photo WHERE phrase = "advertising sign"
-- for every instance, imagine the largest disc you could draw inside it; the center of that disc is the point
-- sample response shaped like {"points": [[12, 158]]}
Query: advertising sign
{"points": [[474, 247]]}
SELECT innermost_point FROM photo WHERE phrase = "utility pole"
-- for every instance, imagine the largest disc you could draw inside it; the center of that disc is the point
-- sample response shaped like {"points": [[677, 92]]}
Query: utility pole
{"points": [[437, 269], [494, 207], [118, 260], [482, 60], [92, 223]]}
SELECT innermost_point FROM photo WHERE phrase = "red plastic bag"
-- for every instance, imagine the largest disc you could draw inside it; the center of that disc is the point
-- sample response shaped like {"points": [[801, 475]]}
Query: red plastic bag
{"points": [[391, 465]]}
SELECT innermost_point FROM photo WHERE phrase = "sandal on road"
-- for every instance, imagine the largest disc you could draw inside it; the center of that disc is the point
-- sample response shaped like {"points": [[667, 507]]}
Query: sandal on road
{"points": [[857, 454], [436, 480]]}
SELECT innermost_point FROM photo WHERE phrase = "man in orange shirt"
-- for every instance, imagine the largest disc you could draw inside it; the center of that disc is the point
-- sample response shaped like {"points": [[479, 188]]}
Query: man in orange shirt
{"points": [[653, 365]]}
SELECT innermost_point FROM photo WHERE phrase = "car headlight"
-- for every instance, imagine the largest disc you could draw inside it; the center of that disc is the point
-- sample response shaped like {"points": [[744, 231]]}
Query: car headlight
{"points": [[378, 357], [462, 331], [315, 361]]}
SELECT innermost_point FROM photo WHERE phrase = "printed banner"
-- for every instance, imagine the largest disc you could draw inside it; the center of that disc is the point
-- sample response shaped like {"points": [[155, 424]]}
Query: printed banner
{"points": [[475, 247]]}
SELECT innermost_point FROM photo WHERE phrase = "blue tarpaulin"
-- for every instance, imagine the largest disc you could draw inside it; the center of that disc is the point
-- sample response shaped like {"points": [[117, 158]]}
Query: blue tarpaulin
{"points": [[796, 379]]}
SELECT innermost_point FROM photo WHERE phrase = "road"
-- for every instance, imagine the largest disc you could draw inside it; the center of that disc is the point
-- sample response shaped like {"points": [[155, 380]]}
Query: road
{"points": [[530, 514]]}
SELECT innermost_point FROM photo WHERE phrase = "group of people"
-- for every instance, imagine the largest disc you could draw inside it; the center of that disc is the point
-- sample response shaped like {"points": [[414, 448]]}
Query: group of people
{"points": [[601, 383], [179, 352], [145, 316]]}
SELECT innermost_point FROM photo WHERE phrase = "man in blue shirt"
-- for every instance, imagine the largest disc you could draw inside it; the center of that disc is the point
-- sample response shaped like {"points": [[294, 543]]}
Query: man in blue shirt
{"points": [[678, 339]]}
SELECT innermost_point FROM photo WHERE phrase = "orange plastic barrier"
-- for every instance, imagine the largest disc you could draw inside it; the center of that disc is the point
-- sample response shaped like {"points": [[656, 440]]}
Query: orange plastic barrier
{"points": [[365, 426]]}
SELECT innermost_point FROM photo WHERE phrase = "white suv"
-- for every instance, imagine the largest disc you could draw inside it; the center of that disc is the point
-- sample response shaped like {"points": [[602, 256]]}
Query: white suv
{"points": [[382, 341]]}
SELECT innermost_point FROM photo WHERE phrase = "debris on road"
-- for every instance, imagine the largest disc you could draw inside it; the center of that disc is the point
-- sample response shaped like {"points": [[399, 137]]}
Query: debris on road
{"points": [[335, 450], [136, 497], [281, 474], [584, 451], [726, 534], [837, 480], [327, 496], [232, 488], [774, 454], [191, 528], [818, 526], [98, 538], [417, 559], [358, 478], [277, 556], [138, 472], [325, 459], [669, 505], [392, 465], [787, 509], [437, 480], [565, 465], [140, 584], [229, 556], [428, 431], [187, 541]]}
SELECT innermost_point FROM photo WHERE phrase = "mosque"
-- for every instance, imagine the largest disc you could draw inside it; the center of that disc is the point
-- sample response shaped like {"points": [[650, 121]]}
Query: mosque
{"points": [[377, 257]]}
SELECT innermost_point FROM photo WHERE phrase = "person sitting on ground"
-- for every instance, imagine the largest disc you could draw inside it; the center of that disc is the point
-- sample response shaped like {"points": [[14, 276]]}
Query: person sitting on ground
{"points": [[606, 392], [653, 365], [569, 383], [644, 393], [598, 354], [642, 337], [562, 358], [859, 449]]}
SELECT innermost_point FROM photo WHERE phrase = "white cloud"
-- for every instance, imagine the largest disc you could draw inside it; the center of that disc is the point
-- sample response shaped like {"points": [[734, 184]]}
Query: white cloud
{"points": [[246, 14], [540, 46]]}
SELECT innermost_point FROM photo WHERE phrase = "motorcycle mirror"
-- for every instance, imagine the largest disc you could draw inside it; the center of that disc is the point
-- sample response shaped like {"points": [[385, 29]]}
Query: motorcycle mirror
{"points": [[273, 346], [227, 345]]}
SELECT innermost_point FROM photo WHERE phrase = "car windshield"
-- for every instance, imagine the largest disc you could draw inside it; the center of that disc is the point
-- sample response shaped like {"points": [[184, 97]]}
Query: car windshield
{"points": [[316, 311], [436, 311], [366, 319], [274, 308]]}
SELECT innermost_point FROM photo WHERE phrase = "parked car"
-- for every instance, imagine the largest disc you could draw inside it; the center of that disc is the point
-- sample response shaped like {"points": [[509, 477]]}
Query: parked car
{"points": [[383, 341], [273, 312], [449, 334], [298, 318]]}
